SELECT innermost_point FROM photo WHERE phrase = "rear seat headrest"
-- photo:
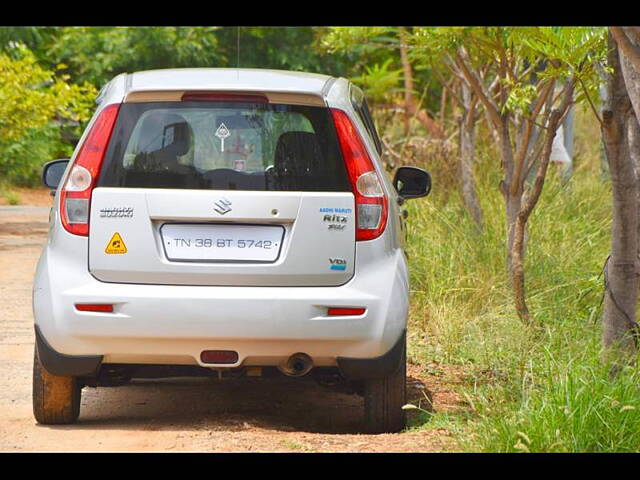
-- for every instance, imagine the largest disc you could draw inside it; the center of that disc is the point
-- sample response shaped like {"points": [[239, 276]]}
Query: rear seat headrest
{"points": [[297, 153]]}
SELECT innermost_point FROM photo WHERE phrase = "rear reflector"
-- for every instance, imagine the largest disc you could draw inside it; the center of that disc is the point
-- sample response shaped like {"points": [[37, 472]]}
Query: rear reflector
{"points": [[334, 312], [94, 307], [219, 356], [223, 97]]}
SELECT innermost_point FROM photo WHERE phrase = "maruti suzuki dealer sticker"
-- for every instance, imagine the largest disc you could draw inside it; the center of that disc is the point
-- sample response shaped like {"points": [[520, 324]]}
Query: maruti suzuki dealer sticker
{"points": [[222, 132], [336, 218]]}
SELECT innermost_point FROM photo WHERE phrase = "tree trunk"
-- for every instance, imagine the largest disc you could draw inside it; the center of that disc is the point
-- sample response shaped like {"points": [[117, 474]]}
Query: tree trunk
{"points": [[528, 203], [467, 127], [410, 103], [408, 79], [512, 201], [631, 76], [633, 138], [621, 270], [633, 135]]}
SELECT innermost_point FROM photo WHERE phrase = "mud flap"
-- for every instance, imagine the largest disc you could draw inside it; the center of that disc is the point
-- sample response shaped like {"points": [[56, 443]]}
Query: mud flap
{"points": [[61, 364], [376, 367]]}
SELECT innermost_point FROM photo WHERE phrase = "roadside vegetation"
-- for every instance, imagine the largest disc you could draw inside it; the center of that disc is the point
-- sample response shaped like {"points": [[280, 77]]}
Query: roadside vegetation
{"points": [[479, 108], [537, 388]]}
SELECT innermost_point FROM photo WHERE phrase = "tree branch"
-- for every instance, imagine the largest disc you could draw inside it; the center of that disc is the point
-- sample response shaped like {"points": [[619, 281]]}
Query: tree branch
{"points": [[451, 91], [521, 154], [593, 107], [531, 199], [475, 85]]}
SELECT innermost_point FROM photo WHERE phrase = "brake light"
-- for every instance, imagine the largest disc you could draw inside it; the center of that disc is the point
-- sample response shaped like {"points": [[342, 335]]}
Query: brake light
{"points": [[223, 97], [75, 198], [371, 201]]}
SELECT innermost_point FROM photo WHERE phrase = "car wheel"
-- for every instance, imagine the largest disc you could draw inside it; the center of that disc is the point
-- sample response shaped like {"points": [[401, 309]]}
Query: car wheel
{"points": [[56, 398], [384, 398]]}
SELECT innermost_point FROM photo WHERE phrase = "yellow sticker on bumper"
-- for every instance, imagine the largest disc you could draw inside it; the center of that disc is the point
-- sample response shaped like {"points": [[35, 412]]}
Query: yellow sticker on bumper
{"points": [[116, 245]]}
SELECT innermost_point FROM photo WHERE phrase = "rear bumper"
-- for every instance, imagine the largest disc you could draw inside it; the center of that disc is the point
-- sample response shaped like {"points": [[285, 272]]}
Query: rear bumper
{"points": [[89, 365], [173, 324]]}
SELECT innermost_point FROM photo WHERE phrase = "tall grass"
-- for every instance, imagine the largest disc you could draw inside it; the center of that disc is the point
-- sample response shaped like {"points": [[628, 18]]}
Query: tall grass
{"points": [[539, 388]]}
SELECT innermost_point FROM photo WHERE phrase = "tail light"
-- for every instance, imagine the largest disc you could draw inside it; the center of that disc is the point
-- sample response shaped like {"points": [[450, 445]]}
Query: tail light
{"points": [[371, 201], [76, 193]]}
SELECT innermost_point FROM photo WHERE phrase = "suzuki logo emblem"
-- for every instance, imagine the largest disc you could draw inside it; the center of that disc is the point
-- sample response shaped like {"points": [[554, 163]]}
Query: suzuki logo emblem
{"points": [[222, 206]]}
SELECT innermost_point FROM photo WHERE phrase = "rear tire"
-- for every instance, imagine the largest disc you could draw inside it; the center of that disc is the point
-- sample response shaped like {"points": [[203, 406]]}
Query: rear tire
{"points": [[384, 398], [56, 398]]}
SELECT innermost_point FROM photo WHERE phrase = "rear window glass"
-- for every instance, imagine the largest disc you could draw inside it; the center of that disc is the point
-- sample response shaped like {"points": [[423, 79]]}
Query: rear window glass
{"points": [[224, 146]]}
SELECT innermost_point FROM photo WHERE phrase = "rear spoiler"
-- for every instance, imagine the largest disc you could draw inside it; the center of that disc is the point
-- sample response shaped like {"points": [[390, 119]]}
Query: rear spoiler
{"points": [[289, 98]]}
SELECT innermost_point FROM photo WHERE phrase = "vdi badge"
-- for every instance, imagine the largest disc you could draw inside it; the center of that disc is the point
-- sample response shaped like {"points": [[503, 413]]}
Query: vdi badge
{"points": [[337, 264]]}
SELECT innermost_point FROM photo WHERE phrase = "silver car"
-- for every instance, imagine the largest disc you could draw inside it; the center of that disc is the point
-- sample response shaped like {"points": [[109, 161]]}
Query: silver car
{"points": [[225, 222]]}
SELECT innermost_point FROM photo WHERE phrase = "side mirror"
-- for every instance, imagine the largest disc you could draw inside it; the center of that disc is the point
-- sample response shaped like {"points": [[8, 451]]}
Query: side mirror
{"points": [[412, 182], [52, 172]]}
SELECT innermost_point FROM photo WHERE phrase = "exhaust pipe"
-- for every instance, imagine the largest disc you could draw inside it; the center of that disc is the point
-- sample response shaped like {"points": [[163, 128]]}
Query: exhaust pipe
{"points": [[297, 365]]}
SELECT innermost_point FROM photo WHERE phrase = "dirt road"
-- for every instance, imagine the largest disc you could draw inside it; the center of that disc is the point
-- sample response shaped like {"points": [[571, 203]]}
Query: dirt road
{"points": [[179, 414]]}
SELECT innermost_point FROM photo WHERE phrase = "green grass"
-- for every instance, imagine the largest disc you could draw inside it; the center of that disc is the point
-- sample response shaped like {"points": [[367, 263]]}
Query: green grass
{"points": [[296, 446], [12, 198], [537, 388]]}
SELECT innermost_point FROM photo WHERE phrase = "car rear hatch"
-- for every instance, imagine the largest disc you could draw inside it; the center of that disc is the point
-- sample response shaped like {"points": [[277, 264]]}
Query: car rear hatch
{"points": [[223, 189]]}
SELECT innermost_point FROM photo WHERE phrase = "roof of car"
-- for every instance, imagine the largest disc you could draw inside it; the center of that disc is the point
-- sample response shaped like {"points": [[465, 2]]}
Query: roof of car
{"points": [[227, 79]]}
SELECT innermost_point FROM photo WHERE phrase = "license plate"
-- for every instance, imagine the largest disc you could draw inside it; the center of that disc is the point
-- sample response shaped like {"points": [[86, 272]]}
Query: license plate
{"points": [[222, 243]]}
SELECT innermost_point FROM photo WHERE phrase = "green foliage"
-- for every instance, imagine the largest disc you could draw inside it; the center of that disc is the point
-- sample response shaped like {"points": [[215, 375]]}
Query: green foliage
{"points": [[31, 96], [575, 407], [96, 54], [376, 60], [35, 104], [21, 160], [532, 389], [556, 52], [362, 40], [51, 74], [35, 39], [287, 48], [380, 83], [12, 198]]}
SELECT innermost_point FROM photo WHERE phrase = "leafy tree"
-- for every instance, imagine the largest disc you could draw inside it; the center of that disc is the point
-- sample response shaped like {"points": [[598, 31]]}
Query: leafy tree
{"points": [[528, 90], [286, 48], [36, 39], [96, 54], [385, 48], [380, 82], [34, 106], [79, 56]]}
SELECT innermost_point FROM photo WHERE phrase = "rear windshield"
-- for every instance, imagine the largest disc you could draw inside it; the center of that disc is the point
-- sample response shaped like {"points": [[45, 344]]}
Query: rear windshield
{"points": [[224, 146]]}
